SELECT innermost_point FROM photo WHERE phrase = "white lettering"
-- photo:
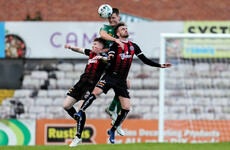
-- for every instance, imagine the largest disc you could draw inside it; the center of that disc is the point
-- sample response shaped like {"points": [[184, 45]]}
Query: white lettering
{"points": [[173, 133], [143, 132], [133, 140], [205, 141], [201, 133], [151, 141], [92, 61], [130, 132], [179, 140], [123, 56]]}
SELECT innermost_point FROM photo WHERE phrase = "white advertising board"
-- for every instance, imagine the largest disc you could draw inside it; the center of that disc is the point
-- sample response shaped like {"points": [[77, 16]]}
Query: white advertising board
{"points": [[47, 39]]}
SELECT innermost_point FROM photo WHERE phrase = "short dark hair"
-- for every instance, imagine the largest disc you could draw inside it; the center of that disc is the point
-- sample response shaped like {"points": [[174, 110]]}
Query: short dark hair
{"points": [[118, 25], [116, 11], [100, 40]]}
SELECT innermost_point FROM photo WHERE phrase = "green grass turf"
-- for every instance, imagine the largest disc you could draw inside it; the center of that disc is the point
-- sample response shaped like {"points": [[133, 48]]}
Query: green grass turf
{"points": [[137, 146]]}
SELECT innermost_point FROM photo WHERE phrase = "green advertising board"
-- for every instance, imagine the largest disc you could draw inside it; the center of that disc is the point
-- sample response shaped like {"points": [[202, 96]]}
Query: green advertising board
{"points": [[17, 132]]}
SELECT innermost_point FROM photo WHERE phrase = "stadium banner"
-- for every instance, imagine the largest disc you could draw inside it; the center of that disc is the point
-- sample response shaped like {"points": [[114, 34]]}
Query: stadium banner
{"points": [[61, 132], [47, 39], [196, 131], [206, 48], [2, 36], [17, 132]]}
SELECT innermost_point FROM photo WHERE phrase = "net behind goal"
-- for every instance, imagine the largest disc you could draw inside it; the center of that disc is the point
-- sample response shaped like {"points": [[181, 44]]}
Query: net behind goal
{"points": [[194, 94]]}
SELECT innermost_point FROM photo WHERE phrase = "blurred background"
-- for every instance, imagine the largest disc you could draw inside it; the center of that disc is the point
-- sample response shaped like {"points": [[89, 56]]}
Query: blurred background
{"points": [[36, 71]]}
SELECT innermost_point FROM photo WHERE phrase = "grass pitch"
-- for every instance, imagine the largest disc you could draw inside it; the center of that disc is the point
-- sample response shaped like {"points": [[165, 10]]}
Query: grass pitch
{"points": [[137, 146]]}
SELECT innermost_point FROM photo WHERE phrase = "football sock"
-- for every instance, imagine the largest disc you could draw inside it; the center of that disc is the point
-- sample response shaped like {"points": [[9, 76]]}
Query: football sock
{"points": [[114, 103], [71, 112], [120, 119], [80, 125], [88, 101]]}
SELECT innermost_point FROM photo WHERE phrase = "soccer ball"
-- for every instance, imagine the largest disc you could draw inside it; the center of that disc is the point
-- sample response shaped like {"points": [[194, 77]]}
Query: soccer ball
{"points": [[105, 11]]}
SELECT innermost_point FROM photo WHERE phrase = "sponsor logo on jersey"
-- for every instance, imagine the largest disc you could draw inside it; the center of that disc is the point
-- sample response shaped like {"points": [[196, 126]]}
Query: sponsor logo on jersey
{"points": [[123, 56], [92, 61]]}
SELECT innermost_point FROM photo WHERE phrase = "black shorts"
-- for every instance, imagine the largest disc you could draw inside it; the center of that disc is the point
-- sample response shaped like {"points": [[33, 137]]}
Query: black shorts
{"points": [[118, 85], [81, 90]]}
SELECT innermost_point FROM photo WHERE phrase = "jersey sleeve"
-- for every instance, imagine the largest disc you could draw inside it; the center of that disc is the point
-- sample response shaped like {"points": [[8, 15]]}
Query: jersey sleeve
{"points": [[105, 28], [87, 52], [113, 48], [137, 50], [143, 58]]}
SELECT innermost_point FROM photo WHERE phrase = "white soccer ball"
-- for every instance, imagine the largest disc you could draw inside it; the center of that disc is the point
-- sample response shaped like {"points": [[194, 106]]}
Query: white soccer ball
{"points": [[105, 11]]}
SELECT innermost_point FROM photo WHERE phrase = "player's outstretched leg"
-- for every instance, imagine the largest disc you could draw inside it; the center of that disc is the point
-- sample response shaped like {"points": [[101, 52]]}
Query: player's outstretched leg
{"points": [[80, 125], [117, 123], [88, 101], [119, 129]]}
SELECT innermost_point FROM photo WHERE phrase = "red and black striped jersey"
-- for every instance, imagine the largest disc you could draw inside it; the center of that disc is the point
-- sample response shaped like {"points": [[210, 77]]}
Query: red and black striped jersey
{"points": [[122, 60], [121, 63], [94, 68]]}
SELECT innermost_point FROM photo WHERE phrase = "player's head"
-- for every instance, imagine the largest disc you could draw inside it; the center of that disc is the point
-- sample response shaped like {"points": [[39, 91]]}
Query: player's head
{"points": [[115, 17], [121, 30], [98, 44]]}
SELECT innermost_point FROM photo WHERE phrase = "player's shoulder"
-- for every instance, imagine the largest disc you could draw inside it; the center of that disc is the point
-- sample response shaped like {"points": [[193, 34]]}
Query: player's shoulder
{"points": [[134, 44], [105, 26], [87, 51], [113, 44]]}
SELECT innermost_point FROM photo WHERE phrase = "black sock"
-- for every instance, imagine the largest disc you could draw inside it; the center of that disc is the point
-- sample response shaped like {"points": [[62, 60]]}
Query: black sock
{"points": [[80, 125], [120, 119], [88, 102], [71, 112]]}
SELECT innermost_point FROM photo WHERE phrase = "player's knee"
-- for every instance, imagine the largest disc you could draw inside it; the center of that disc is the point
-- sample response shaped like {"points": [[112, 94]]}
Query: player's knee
{"points": [[126, 107], [96, 94], [65, 106]]}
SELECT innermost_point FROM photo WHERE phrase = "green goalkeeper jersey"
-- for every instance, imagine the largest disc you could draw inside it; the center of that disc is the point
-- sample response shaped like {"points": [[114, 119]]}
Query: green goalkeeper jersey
{"points": [[110, 30]]}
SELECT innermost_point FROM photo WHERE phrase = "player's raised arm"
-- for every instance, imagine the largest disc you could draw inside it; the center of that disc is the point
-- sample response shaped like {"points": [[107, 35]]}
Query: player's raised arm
{"points": [[74, 48], [147, 61], [104, 35]]}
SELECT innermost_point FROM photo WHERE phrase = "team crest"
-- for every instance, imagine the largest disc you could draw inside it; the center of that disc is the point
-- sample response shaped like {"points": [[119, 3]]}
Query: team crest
{"points": [[131, 48]]}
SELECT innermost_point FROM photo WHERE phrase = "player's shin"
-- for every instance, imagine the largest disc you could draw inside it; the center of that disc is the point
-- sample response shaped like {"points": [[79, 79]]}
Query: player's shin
{"points": [[88, 102], [80, 125], [120, 119], [71, 112]]}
